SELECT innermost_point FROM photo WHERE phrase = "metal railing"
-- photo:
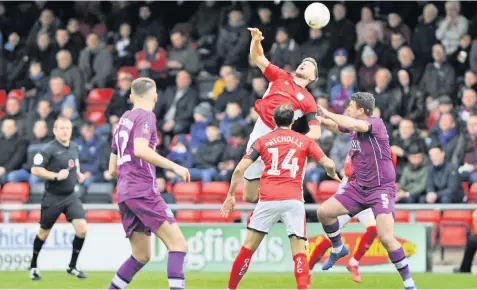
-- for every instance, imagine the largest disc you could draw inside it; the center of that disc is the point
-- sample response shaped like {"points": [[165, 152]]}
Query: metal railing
{"points": [[244, 208]]}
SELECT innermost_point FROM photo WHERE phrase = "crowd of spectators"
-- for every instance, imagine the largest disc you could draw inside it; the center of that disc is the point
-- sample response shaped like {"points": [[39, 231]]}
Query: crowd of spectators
{"points": [[423, 76]]}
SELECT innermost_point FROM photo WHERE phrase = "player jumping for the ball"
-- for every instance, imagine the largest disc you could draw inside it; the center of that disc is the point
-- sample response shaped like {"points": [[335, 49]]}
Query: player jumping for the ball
{"points": [[373, 187], [142, 208], [283, 89], [284, 153]]}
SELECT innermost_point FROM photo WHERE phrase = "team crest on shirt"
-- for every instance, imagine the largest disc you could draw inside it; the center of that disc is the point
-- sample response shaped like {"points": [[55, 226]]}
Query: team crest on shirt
{"points": [[300, 96], [146, 129], [355, 145], [71, 163]]}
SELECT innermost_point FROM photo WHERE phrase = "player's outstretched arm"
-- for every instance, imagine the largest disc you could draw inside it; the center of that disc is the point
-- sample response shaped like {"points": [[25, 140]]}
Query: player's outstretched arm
{"points": [[256, 50], [237, 176], [113, 165], [345, 121], [315, 132], [330, 168], [329, 125], [146, 153]]}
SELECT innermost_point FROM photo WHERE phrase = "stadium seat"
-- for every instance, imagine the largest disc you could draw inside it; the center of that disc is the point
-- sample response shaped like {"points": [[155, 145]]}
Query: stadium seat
{"points": [[132, 70], [100, 96], [214, 191], [84, 29], [3, 98], [457, 217], [34, 216], [36, 193], [99, 216], [188, 216], [99, 193], [96, 118], [15, 191], [428, 216], [453, 229], [214, 216], [326, 189], [313, 189], [16, 94], [401, 216], [239, 193], [473, 193], [99, 29], [186, 192], [116, 217], [18, 216]]}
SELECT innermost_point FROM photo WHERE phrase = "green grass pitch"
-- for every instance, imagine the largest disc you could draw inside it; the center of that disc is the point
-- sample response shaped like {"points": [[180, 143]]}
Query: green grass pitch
{"points": [[196, 280]]}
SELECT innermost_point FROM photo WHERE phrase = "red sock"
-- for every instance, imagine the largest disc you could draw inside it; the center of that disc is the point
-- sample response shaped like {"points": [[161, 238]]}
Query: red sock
{"points": [[366, 240], [301, 271], [319, 251], [240, 266]]}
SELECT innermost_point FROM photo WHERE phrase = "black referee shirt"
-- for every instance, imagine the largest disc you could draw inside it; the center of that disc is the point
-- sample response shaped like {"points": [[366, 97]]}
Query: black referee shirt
{"points": [[55, 157]]}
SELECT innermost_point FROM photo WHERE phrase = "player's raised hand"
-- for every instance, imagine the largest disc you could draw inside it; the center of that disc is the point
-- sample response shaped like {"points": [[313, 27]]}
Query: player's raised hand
{"points": [[256, 33], [228, 206], [63, 174], [182, 172]]}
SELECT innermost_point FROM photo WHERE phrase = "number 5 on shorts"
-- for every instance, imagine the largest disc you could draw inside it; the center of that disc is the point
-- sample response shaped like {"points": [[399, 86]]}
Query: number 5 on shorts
{"points": [[384, 200]]}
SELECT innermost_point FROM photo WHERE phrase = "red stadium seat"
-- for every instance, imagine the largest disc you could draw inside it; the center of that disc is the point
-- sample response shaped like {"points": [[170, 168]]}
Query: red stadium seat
{"points": [[188, 216], [214, 191], [214, 216], [99, 216], [3, 98], [174, 141], [313, 189], [430, 216], [96, 118], [186, 192], [99, 29], [84, 29], [34, 216], [326, 189], [452, 236], [16, 94], [116, 217], [457, 217], [239, 193], [18, 216], [401, 216], [100, 96], [132, 70], [473, 192], [15, 191], [115, 195]]}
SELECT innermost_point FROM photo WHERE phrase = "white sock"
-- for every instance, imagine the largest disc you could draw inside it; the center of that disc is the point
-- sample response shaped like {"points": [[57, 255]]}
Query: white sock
{"points": [[409, 283], [337, 250], [353, 262]]}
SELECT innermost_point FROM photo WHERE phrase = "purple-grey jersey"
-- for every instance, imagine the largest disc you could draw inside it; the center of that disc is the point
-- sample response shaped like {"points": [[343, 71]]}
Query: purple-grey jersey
{"points": [[136, 178], [370, 153]]}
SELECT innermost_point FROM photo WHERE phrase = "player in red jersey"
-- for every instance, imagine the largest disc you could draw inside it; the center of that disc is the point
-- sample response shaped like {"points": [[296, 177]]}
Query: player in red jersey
{"points": [[283, 89], [284, 153]]}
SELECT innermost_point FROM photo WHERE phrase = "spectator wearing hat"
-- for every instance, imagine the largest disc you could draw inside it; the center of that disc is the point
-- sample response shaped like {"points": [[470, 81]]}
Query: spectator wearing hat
{"points": [[367, 23], [452, 28], [267, 25], [203, 114], [208, 155], [341, 60], [443, 183], [406, 61], [233, 153], [382, 51], [13, 149], [285, 52], [469, 105], [341, 93], [233, 93], [465, 154], [181, 56], [13, 112], [367, 71], [413, 181], [460, 58], [318, 47], [395, 25], [233, 41], [341, 31], [291, 20], [410, 100], [424, 35], [439, 76]]}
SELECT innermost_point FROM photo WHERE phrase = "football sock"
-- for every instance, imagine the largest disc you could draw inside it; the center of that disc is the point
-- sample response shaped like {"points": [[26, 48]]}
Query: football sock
{"points": [[400, 262], [319, 251], [366, 241], [333, 233], [125, 273], [239, 267], [37, 245], [77, 246], [301, 271], [175, 270]]}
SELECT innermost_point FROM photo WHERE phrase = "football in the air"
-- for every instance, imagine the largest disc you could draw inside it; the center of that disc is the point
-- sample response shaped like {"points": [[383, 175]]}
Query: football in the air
{"points": [[317, 15]]}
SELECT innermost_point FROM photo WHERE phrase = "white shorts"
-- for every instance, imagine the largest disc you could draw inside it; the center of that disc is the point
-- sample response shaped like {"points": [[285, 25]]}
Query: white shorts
{"points": [[268, 213], [255, 170], [365, 217]]}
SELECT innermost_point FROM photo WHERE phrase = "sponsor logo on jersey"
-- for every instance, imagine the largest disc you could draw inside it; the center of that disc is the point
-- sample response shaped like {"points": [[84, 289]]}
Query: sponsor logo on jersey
{"points": [[355, 146]]}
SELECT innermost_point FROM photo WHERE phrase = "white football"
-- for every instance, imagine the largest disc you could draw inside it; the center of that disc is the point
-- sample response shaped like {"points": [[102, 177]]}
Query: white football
{"points": [[317, 15]]}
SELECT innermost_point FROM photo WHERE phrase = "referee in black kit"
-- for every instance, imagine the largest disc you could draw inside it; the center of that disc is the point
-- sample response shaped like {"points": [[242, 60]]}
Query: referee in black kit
{"points": [[58, 164]]}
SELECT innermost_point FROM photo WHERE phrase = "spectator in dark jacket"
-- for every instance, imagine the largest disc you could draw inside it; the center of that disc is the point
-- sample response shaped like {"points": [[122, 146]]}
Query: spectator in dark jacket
{"points": [[89, 147], [424, 36], [46, 23], [446, 135], [40, 131], [340, 30], [123, 48], [168, 197], [410, 100], [35, 86], [203, 114], [177, 106], [208, 155], [15, 61], [460, 58], [148, 26], [233, 153], [285, 52], [63, 42], [119, 102], [232, 117], [43, 52], [395, 25], [205, 21], [439, 76], [367, 71], [267, 26], [470, 82], [13, 112], [76, 38], [13, 149], [340, 61], [180, 154], [292, 20], [233, 93], [443, 182], [413, 181], [232, 42], [181, 56], [383, 53], [406, 60], [151, 61], [70, 74], [96, 64], [469, 105], [385, 97], [464, 156], [319, 48]]}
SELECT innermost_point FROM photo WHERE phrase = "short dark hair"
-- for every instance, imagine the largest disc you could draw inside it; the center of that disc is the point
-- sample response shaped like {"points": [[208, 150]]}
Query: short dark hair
{"points": [[364, 101], [214, 123], [283, 115], [436, 146]]}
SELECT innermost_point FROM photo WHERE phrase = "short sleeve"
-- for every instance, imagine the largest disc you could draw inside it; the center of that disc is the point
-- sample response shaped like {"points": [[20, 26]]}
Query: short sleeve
{"points": [[114, 146], [376, 127], [314, 151], [42, 158], [143, 127], [254, 152], [273, 72]]}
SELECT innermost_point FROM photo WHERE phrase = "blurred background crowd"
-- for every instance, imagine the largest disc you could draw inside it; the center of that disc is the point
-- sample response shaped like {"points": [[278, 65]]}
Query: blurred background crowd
{"points": [[78, 59]]}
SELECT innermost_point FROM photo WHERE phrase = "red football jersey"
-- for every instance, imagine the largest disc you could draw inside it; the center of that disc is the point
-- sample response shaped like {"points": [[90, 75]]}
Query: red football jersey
{"points": [[284, 153], [282, 90]]}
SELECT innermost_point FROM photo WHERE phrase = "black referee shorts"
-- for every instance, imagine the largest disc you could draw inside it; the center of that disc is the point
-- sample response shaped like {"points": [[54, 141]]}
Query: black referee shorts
{"points": [[52, 208]]}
